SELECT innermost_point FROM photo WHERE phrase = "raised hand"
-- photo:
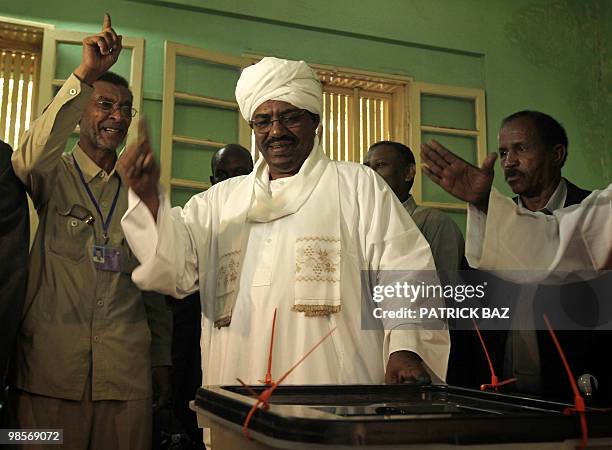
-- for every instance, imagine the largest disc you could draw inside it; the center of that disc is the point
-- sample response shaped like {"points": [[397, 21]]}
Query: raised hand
{"points": [[457, 176], [100, 52], [138, 169]]}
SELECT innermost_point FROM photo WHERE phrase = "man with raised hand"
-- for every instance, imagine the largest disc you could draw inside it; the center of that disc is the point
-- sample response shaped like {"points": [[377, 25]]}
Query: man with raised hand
{"points": [[577, 237], [89, 336], [292, 236], [526, 246]]}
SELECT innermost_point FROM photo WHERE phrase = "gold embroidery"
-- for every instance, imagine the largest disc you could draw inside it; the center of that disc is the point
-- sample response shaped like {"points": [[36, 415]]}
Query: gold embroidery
{"points": [[317, 259], [317, 310], [228, 272]]}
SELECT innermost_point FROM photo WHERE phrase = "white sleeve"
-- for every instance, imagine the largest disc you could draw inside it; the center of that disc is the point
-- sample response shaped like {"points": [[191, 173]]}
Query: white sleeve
{"points": [[397, 251], [432, 346], [585, 234], [573, 238], [166, 251], [474, 232]]}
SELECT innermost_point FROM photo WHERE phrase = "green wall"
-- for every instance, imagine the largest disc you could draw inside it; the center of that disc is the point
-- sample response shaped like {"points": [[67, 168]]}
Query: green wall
{"points": [[553, 56]]}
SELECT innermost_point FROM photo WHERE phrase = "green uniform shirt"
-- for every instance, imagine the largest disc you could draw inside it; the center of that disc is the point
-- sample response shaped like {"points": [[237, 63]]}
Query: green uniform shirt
{"points": [[79, 321], [442, 233]]}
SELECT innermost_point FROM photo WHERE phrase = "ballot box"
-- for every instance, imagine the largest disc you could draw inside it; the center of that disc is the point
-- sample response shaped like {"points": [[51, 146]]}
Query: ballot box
{"points": [[392, 417]]}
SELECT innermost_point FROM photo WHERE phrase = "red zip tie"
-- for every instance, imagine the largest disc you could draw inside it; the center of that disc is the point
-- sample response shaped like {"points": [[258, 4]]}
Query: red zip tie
{"points": [[495, 384], [268, 379], [262, 399], [579, 405]]}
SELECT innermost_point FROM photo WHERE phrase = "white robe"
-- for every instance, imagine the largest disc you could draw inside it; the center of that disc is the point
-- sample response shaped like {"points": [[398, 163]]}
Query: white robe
{"points": [[509, 237], [178, 257]]}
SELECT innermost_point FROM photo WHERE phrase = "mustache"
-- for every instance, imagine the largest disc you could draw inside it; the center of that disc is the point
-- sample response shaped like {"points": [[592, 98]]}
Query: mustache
{"points": [[280, 139], [511, 172]]}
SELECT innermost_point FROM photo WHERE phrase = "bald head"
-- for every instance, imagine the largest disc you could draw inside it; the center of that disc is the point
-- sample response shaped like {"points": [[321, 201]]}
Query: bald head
{"points": [[230, 161]]}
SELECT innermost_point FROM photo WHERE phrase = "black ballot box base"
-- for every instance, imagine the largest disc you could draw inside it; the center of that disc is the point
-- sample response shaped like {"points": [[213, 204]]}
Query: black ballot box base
{"points": [[392, 417]]}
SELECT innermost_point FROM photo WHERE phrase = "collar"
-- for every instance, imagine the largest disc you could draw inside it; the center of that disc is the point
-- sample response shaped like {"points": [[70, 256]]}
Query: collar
{"points": [[556, 200], [89, 168], [410, 205]]}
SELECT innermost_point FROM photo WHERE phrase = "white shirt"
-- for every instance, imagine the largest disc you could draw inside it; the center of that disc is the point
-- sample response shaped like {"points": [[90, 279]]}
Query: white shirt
{"points": [[178, 256]]}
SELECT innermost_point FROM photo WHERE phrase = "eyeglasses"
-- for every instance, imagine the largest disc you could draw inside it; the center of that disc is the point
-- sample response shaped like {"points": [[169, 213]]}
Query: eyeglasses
{"points": [[108, 107], [289, 119]]}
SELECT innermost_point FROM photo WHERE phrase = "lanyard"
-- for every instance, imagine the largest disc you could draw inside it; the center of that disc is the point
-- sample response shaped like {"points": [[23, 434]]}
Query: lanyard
{"points": [[105, 223]]}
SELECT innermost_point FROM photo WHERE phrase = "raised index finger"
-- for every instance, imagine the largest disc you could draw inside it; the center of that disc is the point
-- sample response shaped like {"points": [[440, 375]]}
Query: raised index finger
{"points": [[107, 22], [143, 135]]}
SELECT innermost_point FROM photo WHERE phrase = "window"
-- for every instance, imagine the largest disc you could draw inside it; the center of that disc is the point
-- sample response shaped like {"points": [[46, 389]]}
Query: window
{"points": [[199, 116], [20, 48], [455, 117], [360, 108]]}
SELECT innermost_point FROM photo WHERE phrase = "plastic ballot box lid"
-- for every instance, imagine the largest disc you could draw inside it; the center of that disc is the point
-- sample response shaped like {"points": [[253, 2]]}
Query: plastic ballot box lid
{"points": [[394, 415]]}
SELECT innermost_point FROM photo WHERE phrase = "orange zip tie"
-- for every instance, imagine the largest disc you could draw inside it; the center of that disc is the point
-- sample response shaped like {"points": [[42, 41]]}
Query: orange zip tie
{"points": [[579, 405], [495, 384], [262, 399]]}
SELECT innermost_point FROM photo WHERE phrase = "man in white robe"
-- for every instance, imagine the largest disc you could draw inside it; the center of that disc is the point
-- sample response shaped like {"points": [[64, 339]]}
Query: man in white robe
{"points": [[293, 235], [578, 237]]}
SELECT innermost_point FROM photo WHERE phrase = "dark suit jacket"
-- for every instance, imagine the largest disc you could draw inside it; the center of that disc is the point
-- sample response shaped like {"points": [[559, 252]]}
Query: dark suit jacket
{"points": [[14, 243]]}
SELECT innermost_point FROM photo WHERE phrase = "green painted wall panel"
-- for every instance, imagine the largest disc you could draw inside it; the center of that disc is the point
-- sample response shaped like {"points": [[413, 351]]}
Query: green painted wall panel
{"points": [[192, 162], [204, 122], [448, 112], [69, 57], [201, 78], [152, 113]]}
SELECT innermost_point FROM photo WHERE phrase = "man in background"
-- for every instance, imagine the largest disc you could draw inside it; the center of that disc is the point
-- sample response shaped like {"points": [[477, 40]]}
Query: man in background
{"points": [[395, 163], [533, 148], [230, 161], [14, 242]]}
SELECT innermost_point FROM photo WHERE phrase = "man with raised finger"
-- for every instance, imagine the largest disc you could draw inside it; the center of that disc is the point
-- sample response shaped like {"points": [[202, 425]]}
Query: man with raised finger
{"points": [[291, 236], [89, 336]]}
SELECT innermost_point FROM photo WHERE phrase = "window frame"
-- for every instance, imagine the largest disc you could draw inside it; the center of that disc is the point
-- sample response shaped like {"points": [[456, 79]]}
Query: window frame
{"points": [[171, 51], [477, 95]]}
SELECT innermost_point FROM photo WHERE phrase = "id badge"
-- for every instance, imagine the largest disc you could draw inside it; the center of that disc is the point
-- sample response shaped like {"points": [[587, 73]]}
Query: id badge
{"points": [[106, 258]]}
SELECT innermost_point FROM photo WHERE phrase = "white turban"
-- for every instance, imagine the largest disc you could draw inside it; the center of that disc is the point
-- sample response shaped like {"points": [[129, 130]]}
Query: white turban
{"points": [[278, 79]]}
